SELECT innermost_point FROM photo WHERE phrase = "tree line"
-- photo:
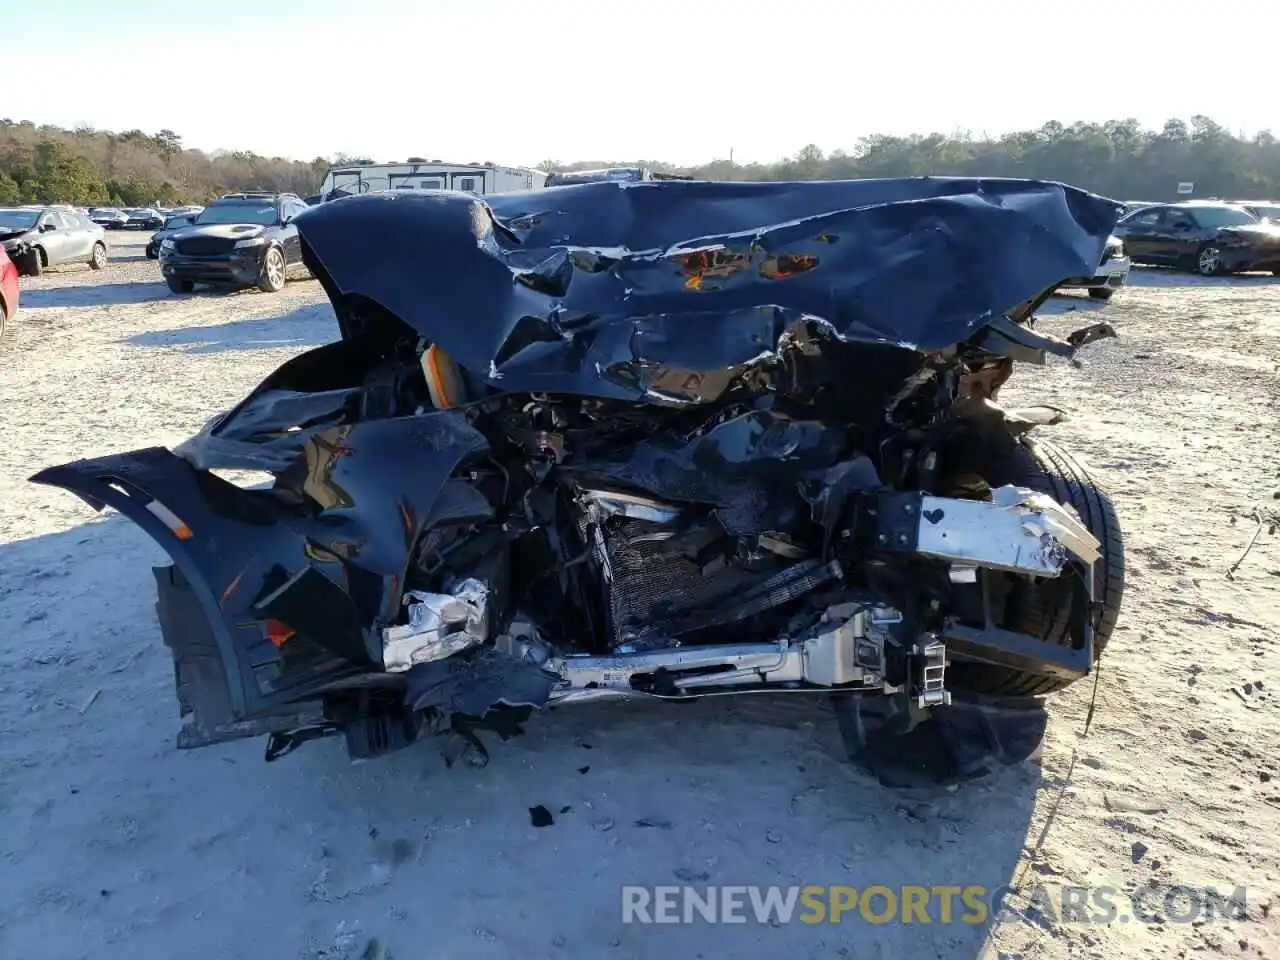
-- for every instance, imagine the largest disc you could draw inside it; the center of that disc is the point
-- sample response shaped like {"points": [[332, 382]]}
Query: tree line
{"points": [[44, 164], [1118, 158]]}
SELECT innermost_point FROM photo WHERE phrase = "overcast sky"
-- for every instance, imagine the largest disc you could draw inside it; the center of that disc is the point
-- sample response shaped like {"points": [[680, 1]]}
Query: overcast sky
{"points": [[520, 81]]}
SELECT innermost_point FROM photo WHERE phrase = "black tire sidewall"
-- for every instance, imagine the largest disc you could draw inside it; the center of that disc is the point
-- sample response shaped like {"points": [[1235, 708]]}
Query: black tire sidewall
{"points": [[1047, 468]]}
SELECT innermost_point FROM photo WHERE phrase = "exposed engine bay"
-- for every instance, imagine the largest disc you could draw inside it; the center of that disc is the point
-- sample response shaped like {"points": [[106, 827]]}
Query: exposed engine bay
{"points": [[569, 449]]}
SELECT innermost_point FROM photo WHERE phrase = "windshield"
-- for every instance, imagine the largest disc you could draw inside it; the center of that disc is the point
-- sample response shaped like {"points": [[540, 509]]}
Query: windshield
{"points": [[104, 212], [264, 214], [1132, 216], [1223, 216], [18, 219], [173, 223], [1266, 211], [142, 213]]}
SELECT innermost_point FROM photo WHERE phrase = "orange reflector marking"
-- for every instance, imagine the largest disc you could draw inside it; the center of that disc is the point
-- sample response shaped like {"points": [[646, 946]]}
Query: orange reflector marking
{"points": [[436, 379], [278, 632], [170, 520]]}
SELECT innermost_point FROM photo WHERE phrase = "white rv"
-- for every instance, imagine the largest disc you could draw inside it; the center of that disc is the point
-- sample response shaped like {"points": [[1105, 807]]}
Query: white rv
{"points": [[415, 174]]}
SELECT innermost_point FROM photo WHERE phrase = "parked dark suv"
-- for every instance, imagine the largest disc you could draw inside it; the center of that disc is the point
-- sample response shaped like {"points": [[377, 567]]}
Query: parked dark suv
{"points": [[172, 225], [241, 239]]}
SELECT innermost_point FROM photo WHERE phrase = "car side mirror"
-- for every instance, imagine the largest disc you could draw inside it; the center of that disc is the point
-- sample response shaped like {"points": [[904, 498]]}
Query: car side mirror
{"points": [[46, 227], [1182, 226]]}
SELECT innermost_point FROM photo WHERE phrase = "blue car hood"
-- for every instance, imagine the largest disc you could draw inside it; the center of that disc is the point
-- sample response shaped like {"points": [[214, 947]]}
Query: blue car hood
{"points": [[573, 289]]}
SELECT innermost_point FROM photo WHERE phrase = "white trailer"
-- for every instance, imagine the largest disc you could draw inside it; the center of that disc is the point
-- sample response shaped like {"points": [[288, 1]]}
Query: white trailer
{"points": [[477, 178]]}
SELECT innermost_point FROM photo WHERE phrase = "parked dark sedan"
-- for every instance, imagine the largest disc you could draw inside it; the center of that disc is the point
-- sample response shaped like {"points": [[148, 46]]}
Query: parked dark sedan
{"points": [[144, 219], [109, 217], [171, 225], [1209, 238]]}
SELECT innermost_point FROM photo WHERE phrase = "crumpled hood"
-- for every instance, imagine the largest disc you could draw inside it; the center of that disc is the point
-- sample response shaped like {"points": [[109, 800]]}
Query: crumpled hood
{"points": [[227, 231], [7, 235], [582, 288]]}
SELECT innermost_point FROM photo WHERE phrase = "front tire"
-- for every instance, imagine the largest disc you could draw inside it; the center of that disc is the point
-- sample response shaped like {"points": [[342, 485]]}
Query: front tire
{"points": [[271, 279], [98, 259], [180, 286], [33, 263], [1042, 608], [1209, 261]]}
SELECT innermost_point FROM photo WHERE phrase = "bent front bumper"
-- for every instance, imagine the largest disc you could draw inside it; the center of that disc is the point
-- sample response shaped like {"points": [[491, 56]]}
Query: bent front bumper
{"points": [[239, 267], [272, 607], [1111, 274]]}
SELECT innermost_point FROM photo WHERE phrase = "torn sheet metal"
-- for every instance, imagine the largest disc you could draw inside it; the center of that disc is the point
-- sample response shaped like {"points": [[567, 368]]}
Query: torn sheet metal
{"points": [[1019, 530], [440, 625], [313, 392], [477, 683], [1043, 512], [613, 503], [745, 465], [652, 290]]}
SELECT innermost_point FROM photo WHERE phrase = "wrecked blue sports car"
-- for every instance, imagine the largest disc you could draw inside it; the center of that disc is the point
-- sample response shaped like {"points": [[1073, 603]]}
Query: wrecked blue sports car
{"points": [[662, 439]]}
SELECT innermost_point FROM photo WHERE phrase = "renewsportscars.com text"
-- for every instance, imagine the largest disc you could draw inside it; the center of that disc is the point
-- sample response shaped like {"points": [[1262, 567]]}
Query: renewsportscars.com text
{"points": [[938, 903]]}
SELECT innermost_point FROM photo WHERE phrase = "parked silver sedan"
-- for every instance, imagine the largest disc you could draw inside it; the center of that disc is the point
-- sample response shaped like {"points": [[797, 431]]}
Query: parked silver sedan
{"points": [[36, 237]]}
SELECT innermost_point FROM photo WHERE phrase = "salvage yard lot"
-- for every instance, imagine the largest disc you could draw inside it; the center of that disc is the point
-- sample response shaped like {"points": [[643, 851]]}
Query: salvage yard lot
{"points": [[115, 844]]}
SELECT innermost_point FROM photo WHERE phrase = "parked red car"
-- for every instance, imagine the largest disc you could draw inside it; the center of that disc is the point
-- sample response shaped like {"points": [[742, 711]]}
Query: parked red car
{"points": [[8, 290]]}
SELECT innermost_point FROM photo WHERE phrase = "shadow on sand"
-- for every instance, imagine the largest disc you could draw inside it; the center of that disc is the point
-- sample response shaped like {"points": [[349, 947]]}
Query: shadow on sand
{"points": [[1070, 301], [308, 326], [1169, 277], [93, 294]]}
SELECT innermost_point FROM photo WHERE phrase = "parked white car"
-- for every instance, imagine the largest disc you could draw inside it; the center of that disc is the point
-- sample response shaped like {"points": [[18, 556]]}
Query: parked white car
{"points": [[1111, 275]]}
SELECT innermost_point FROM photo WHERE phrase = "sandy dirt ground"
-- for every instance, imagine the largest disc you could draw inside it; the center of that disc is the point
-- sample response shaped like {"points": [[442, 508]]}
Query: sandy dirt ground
{"points": [[115, 844]]}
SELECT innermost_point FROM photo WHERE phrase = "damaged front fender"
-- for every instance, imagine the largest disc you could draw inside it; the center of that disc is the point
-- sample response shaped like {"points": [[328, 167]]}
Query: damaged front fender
{"points": [[294, 592]]}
